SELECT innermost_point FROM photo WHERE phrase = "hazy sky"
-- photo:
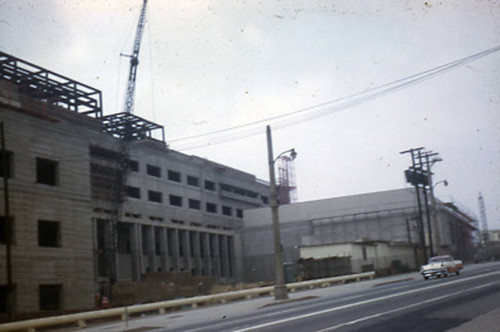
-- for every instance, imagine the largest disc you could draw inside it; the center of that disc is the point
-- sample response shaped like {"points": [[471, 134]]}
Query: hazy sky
{"points": [[211, 65]]}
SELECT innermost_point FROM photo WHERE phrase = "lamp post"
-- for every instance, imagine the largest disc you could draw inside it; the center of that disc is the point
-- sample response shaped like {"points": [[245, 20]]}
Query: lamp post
{"points": [[280, 290], [435, 215]]}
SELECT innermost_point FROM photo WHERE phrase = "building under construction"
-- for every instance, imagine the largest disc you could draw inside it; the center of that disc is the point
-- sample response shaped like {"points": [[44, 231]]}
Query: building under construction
{"points": [[96, 200]]}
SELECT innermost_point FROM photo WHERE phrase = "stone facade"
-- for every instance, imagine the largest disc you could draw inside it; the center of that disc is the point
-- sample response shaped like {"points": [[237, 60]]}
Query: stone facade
{"points": [[83, 220]]}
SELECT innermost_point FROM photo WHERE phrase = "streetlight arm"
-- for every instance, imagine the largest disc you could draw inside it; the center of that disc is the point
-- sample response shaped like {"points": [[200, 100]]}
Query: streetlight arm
{"points": [[293, 154]]}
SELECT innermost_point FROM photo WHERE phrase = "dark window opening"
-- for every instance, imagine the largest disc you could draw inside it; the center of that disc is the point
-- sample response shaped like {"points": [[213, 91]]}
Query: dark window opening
{"points": [[46, 171], [227, 211], [133, 192], [3, 229], [264, 199], [209, 185], [7, 163], [48, 234], [133, 165], [50, 297], [194, 204], [193, 181], [239, 213], [175, 200], [211, 207], [174, 176], [4, 291], [153, 171], [155, 196]]}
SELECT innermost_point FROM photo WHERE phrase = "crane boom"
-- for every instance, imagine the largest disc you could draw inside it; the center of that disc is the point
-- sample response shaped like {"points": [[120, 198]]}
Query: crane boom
{"points": [[134, 60]]}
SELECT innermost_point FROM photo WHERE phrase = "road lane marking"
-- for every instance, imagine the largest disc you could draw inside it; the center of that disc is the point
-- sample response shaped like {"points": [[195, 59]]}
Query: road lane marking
{"points": [[385, 313], [312, 314], [405, 307]]}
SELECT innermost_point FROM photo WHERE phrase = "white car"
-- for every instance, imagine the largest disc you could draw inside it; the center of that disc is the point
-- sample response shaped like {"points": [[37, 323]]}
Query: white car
{"points": [[441, 266]]}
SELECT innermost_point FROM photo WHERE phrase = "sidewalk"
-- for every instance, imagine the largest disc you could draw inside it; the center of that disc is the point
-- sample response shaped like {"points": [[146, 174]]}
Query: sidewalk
{"points": [[489, 322]]}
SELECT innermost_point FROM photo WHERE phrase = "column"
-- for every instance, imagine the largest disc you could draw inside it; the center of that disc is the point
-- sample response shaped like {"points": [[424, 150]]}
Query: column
{"points": [[205, 254], [163, 248], [136, 251]]}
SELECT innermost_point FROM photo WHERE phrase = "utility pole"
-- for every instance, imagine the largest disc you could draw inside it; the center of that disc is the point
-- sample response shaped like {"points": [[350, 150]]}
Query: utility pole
{"points": [[433, 219], [280, 290], [415, 177], [8, 226]]}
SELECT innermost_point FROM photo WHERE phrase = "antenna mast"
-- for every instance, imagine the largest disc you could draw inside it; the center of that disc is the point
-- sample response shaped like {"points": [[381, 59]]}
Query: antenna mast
{"points": [[134, 60]]}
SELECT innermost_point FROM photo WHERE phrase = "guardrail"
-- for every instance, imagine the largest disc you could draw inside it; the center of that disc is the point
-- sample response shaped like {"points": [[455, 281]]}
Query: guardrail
{"points": [[80, 319]]}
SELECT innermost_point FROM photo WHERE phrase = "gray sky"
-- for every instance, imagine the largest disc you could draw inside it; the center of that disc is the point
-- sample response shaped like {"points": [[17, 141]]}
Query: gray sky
{"points": [[210, 65]]}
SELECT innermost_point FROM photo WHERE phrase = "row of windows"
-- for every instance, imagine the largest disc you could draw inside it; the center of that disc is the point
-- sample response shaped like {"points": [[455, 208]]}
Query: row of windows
{"points": [[48, 232], [47, 173], [194, 181], [46, 169], [49, 297], [175, 200]]}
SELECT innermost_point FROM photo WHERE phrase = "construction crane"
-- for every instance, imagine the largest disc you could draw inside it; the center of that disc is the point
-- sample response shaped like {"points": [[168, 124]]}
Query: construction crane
{"points": [[125, 121], [484, 222], [134, 60]]}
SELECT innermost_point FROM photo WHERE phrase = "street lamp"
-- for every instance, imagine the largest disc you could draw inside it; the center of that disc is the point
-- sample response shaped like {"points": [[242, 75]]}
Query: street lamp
{"points": [[280, 290], [435, 215]]}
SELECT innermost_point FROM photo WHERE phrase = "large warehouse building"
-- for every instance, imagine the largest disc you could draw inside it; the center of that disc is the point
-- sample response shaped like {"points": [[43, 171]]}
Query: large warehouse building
{"points": [[388, 216], [97, 199]]}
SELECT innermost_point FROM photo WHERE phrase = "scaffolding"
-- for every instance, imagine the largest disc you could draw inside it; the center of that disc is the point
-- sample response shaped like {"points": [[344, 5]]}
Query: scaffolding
{"points": [[287, 188], [50, 87]]}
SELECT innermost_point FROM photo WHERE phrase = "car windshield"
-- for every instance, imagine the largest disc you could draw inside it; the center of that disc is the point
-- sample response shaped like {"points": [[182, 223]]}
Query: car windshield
{"points": [[436, 259]]}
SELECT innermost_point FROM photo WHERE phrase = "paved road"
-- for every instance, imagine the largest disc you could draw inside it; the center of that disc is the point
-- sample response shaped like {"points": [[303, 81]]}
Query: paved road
{"points": [[468, 302]]}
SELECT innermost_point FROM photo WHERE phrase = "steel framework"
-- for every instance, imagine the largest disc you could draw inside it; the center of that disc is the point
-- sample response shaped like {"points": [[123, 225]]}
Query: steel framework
{"points": [[50, 87]]}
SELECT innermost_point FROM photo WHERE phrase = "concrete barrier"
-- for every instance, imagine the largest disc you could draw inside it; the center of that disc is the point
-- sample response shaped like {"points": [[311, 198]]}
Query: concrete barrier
{"points": [[123, 313]]}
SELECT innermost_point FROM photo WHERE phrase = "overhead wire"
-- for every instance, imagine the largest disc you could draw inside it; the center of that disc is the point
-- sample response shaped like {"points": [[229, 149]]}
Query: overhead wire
{"points": [[319, 110]]}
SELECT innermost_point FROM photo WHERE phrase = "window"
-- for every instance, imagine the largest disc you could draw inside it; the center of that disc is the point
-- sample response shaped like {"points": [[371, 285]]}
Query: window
{"points": [[193, 181], [264, 199], [133, 165], [155, 196], [174, 176], [153, 170], [133, 192], [211, 207], [3, 229], [209, 185], [227, 211], [4, 290], [364, 252], [46, 171], [194, 204], [7, 163], [50, 297], [239, 213], [48, 234], [175, 200]]}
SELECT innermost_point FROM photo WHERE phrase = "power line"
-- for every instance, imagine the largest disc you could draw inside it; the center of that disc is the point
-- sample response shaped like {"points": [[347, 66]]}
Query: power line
{"points": [[319, 110]]}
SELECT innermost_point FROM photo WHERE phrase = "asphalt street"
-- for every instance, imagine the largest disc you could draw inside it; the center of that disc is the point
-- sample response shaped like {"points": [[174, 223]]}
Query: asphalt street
{"points": [[397, 303]]}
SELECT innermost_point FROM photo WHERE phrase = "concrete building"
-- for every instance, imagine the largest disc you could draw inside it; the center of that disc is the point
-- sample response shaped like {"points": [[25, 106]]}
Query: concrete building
{"points": [[364, 255], [381, 216], [100, 199]]}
